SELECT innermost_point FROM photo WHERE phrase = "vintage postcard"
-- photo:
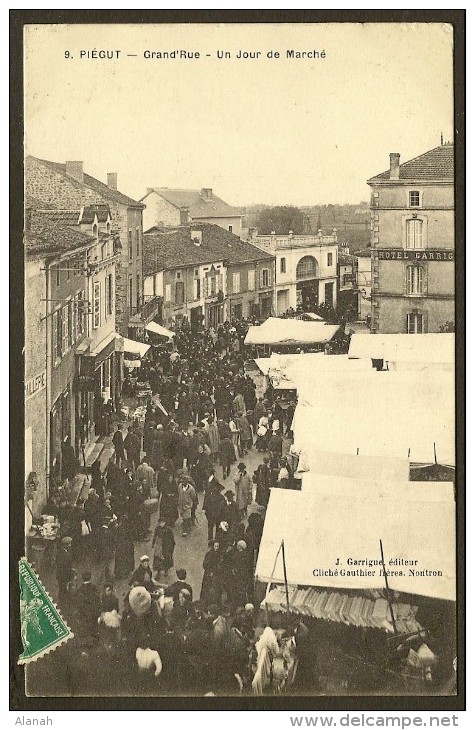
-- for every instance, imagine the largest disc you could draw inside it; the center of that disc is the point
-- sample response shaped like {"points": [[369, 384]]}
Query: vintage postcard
{"points": [[240, 249]]}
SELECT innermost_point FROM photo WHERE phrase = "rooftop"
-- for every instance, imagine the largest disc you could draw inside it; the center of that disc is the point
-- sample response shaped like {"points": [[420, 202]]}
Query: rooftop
{"points": [[200, 205], [167, 248], [436, 164], [47, 237], [114, 196]]}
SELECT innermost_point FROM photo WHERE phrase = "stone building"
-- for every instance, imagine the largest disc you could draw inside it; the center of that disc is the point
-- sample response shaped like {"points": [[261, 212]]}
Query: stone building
{"points": [[206, 275], [67, 186], [306, 269], [413, 243], [171, 207]]}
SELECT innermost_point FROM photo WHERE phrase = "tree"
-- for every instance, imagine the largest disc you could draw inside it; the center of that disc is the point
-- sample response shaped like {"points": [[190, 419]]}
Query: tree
{"points": [[447, 327], [281, 220]]}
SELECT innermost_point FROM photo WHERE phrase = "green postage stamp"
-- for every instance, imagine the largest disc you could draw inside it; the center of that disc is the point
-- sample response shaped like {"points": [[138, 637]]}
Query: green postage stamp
{"points": [[42, 627]]}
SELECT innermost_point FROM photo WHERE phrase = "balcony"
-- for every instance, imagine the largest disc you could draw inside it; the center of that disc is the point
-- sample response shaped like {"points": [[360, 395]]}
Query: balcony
{"points": [[144, 313]]}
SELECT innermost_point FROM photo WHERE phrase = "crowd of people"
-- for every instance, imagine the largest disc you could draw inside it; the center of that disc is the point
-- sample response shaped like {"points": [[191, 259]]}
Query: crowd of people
{"points": [[203, 417]]}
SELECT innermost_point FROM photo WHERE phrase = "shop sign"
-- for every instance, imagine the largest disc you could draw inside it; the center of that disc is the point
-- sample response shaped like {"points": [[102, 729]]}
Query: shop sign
{"points": [[35, 385], [398, 254]]}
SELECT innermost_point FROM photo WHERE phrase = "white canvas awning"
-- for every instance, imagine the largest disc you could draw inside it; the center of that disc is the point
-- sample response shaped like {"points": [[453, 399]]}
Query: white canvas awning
{"points": [[275, 331], [157, 329], [334, 463], [347, 524], [135, 348], [292, 371], [373, 413], [430, 348]]}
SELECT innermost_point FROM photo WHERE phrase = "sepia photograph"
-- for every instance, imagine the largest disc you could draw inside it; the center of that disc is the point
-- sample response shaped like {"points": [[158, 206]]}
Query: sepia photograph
{"points": [[239, 265]]}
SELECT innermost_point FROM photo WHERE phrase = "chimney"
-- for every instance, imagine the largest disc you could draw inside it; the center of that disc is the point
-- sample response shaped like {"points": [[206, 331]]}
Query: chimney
{"points": [[184, 215], [112, 180], [394, 165], [75, 170], [207, 193]]}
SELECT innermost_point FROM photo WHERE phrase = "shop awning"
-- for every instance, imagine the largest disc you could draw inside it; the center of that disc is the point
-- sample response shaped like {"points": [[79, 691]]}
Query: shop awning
{"points": [[276, 331], [135, 348], [157, 329], [410, 415], [348, 522], [430, 348]]}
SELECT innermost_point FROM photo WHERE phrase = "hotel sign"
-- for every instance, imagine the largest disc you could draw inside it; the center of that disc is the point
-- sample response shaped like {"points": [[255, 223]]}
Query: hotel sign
{"points": [[35, 385], [399, 254]]}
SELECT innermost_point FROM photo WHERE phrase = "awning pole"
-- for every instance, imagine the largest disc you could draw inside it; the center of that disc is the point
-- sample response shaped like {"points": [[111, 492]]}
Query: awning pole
{"points": [[271, 579], [387, 588], [285, 578]]}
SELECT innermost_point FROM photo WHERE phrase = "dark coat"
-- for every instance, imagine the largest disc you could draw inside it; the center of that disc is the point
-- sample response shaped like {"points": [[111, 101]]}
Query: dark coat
{"points": [[64, 566], [213, 504]]}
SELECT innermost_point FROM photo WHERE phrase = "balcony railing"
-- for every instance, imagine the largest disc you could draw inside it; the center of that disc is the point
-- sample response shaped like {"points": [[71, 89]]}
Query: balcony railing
{"points": [[145, 311]]}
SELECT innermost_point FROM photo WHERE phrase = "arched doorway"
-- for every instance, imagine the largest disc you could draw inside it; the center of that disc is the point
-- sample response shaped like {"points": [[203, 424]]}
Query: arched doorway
{"points": [[307, 274]]}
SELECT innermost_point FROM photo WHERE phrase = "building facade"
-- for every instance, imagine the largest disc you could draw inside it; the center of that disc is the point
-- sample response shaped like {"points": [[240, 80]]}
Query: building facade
{"points": [[363, 283], [347, 290], [306, 270], [413, 243], [36, 413], [67, 186], [70, 315], [219, 277], [172, 207]]}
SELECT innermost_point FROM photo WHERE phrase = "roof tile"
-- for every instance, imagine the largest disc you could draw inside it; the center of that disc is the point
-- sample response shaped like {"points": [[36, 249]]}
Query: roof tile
{"points": [[166, 248], [436, 164]]}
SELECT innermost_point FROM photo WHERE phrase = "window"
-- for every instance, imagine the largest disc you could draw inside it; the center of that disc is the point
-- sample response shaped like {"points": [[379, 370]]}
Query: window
{"points": [[415, 323], [196, 289], [179, 292], [109, 295], [81, 312], [414, 233], [414, 280], [96, 309], [131, 293], [131, 252], [58, 275], [56, 327], [65, 329], [74, 319], [230, 229], [251, 280], [265, 277], [137, 240], [236, 283], [168, 292], [103, 252], [139, 291], [283, 265], [212, 286], [329, 259], [307, 267], [67, 265], [414, 199]]}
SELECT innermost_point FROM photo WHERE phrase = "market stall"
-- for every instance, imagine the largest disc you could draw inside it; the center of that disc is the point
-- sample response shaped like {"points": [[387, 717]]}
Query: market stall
{"points": [[291, 333], [379, 414], [406, 352]]}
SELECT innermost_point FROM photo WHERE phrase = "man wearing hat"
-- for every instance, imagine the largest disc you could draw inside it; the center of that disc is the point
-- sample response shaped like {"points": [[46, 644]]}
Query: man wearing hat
{"points": [[142, 575], [64, 568], [213, 504]]}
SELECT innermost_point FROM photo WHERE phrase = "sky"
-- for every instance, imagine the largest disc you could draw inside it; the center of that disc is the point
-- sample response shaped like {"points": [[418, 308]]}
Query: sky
{"points": [[278, 131]]}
